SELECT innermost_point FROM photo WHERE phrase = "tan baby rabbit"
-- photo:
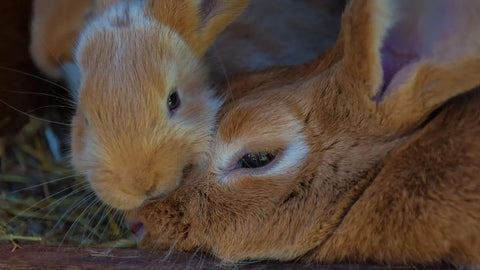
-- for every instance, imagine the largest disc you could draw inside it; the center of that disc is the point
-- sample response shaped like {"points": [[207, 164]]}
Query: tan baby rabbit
{"points": [[145, 108], [370, 153]]}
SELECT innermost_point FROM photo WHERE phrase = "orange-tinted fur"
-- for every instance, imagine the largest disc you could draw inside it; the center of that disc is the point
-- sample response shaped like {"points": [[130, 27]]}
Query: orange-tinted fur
{"points": [[394, 181], [132, 57]]}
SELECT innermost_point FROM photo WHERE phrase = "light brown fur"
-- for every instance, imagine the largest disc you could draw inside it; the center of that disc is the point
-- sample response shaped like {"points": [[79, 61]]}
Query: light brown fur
{"points": [[391, 182]]}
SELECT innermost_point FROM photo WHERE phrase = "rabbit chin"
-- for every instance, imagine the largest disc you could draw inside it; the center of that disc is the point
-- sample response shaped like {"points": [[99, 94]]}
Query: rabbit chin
{"points": [[128, 198], [120, 200]]}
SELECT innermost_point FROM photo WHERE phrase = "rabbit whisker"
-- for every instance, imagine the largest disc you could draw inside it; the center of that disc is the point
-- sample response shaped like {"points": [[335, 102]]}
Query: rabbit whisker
{"points": [[91, 216], [192, 257], [37, 203], [104, 209], [33, 116], [60, 97], [81, 188], [35, 77], [44, 183], [71, 210], [76, 222], [48, 107], [108, 215], [93, 232]]}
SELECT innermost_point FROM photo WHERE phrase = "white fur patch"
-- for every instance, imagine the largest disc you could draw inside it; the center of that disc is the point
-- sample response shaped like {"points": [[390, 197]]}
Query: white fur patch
{"points": [[287, 162], [120, 15], [291, 159], [224, 155]]}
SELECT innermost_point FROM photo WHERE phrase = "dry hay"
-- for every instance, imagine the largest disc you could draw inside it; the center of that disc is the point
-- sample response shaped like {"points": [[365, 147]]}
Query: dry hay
{"points": [[43, 201], [40, 197]]}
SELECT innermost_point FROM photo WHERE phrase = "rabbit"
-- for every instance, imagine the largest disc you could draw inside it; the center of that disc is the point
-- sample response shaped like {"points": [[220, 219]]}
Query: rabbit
{"points": [[119, 156], [145, 109], [369, 153]]}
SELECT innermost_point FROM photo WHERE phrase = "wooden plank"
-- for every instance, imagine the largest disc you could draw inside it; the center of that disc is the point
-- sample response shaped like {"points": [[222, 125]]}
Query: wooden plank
{"points": [[48, 257]]}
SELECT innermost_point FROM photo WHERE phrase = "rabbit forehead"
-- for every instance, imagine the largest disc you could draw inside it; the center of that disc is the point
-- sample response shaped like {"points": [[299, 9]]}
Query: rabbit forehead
{"points": [[272, 116], [149, 52], [250, 127], [127, 32]]}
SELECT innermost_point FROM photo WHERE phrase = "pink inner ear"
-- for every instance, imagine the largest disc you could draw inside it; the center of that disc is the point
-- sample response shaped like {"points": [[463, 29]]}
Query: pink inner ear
{"points": [[392, 62], [437, 30]]}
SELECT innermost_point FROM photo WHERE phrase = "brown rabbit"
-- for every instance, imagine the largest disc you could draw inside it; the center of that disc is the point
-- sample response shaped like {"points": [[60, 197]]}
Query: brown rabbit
{"points": [[370, 153]]}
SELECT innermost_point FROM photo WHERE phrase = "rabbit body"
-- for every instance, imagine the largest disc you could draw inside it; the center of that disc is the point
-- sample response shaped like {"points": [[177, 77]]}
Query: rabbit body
{"points": [[423, 206], [375, 143]]}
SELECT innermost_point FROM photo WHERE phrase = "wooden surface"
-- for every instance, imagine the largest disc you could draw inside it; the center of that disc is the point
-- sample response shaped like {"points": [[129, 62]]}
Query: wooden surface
{"points": [[44, 257]]}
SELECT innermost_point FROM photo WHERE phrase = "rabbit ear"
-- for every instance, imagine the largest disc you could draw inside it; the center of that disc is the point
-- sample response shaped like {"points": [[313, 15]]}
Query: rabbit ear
{"points": [[198, 21], [411, 56]]}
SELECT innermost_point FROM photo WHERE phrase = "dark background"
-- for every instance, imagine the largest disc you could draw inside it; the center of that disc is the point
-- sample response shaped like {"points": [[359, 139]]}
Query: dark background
{"points": [[14, 54]]}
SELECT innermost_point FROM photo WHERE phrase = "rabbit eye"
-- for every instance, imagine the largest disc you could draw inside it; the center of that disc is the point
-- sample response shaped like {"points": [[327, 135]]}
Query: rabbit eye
{"points": [[255, 160], [173, 101]]}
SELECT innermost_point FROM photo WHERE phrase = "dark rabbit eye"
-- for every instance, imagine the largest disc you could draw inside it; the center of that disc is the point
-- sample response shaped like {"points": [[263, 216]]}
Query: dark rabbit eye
{"points": [[173, 101], [255, 160]]}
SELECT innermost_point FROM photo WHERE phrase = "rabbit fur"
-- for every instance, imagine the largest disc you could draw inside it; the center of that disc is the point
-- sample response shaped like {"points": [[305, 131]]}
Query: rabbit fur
{"points": [[376, 143]]}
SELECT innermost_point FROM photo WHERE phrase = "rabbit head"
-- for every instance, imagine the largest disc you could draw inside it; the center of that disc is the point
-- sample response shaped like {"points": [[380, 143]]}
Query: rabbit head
{"points": [[145, 110], [296, 147]]}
